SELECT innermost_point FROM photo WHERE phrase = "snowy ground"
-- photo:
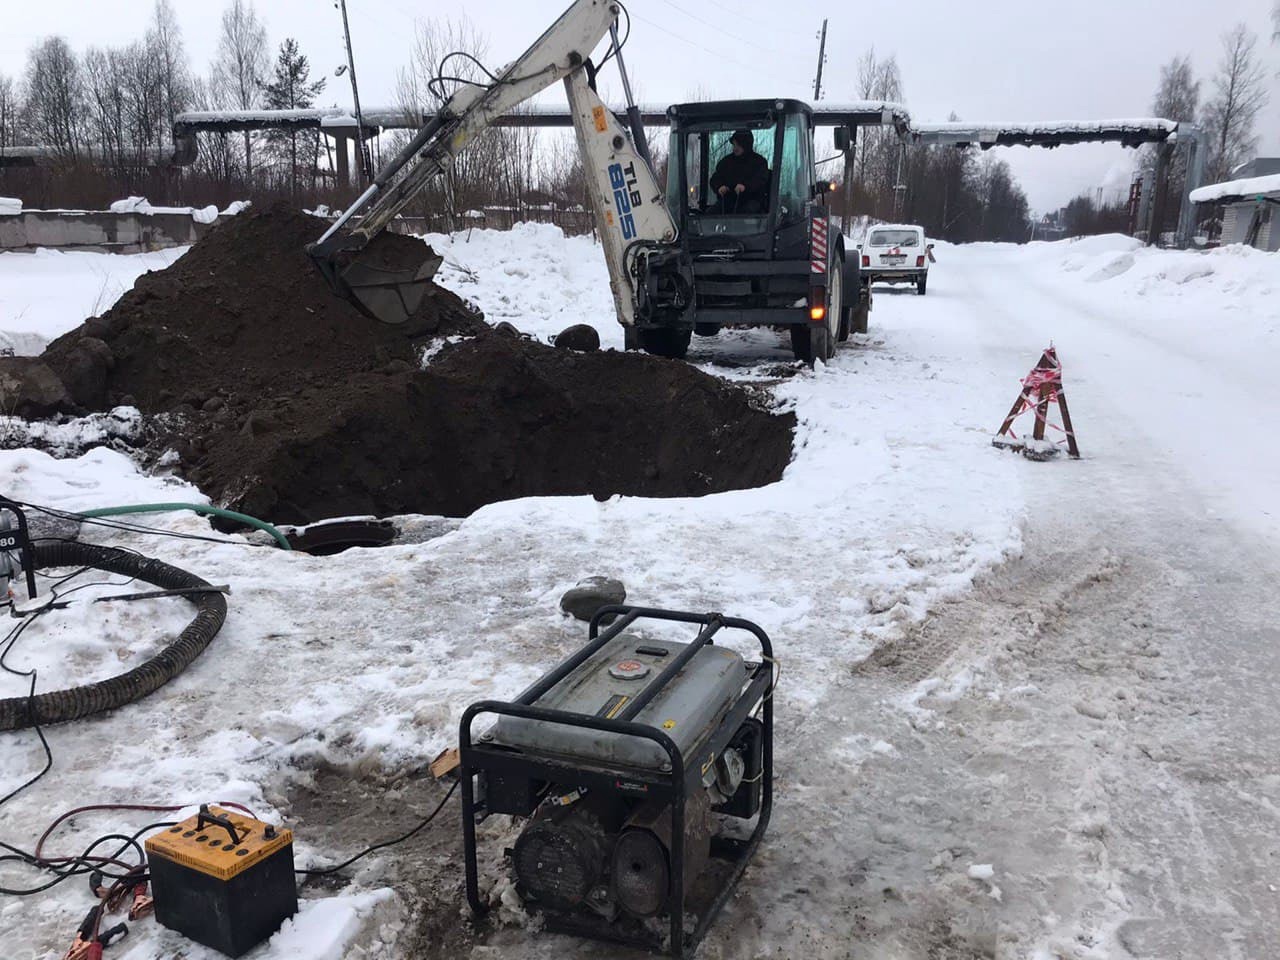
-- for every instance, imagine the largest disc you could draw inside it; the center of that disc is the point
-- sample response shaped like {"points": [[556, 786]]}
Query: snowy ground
{"points": [[1026, 710], [45, 293]]}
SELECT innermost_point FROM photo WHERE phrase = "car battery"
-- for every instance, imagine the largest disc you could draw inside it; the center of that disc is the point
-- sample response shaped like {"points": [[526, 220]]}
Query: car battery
{"points": [[223, 879]]}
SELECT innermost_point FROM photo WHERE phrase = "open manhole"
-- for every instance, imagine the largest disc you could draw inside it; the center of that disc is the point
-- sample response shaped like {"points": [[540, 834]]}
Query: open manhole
{"points": [[326, 539]]}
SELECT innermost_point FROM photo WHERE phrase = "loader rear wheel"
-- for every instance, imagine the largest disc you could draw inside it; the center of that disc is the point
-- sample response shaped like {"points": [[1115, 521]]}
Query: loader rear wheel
{"points": [[861, 311], [666, 342]]}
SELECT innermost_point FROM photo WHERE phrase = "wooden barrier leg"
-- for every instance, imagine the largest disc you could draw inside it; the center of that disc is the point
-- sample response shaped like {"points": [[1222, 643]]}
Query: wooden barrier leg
{"points": [[1042, 411], [1066, 425], [1013, 413]]}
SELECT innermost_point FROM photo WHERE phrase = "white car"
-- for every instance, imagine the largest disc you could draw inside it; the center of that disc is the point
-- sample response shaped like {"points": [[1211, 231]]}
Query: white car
{"points": [[897, 253]]}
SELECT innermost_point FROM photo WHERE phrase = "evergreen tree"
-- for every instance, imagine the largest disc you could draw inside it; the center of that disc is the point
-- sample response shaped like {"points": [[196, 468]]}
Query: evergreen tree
{"points": [[291, 88]]}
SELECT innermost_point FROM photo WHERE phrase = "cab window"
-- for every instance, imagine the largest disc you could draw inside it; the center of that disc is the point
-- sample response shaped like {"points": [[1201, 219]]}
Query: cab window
{"points": [[795, 167], [703, 148]]}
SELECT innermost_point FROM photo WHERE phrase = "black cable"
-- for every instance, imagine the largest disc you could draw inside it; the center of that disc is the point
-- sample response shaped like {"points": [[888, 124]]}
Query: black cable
{"points": [[7, 644], [386, 843], [467, 56], [623, 42], [126, 526], [85, 863]]}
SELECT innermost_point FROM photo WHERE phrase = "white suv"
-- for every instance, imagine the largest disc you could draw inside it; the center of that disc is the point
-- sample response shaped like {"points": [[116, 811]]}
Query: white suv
{"points": [[897, 253]]}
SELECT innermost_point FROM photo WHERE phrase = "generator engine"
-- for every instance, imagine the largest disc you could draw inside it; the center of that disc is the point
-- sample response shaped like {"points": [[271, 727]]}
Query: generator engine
{"points": [[631, 762]]}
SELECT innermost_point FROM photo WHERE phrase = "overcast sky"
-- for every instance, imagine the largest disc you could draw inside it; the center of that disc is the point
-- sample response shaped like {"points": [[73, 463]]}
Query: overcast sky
{"points": [[982, 59]]}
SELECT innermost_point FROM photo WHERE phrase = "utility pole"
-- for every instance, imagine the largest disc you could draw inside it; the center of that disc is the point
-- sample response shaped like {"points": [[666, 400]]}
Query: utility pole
{"points": [[362, 161], [822, 56], [899, 188]]}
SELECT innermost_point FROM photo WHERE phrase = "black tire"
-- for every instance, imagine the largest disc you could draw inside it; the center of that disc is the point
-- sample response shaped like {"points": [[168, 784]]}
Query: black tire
{"points": [[706, 329], [811, 342], [860, 319], [666, 342], [847, 311], [921, 284]]}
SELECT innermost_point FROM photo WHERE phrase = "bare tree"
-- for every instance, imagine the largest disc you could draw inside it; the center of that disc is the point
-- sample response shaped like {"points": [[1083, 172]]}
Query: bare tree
{"points": [[216, 157], [1178, 93], [878, 149], [241, 65], [107, 123], [164, 44], [472, 180], [10, 110], [1239, 95], [54, 95]]}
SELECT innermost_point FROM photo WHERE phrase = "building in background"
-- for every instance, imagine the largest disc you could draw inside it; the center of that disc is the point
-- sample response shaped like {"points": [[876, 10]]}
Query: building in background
{"points": [[1248, 204]]}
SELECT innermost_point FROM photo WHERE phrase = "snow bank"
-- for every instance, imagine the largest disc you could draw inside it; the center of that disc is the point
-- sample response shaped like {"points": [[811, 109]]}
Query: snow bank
{"points": [[48, 292], [10, 206], [533, 276]]}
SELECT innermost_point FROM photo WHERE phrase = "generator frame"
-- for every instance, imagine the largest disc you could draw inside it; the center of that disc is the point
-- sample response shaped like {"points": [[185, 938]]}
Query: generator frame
{"points": [[626, 781]]}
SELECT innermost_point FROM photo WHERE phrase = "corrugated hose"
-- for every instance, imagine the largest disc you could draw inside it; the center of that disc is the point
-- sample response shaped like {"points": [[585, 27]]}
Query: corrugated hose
{"points": [[58, 706]]}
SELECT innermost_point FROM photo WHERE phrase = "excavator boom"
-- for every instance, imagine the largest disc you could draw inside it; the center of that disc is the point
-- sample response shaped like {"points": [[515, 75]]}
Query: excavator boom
{"points": [[391, 290]]}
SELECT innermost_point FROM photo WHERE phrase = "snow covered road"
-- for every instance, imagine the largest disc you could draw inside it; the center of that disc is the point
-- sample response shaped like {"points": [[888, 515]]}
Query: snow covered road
{"points": [[1027, 710]]}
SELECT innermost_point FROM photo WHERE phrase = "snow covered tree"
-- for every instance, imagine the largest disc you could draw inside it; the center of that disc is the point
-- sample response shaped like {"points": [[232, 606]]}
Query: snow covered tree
{"points": [[54, 95], [291, 88], [240, 65], [1239, 95]]}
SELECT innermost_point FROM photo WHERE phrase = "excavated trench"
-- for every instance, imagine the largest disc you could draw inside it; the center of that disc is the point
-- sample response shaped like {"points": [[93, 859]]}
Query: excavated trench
{"points": [[285, 402]]}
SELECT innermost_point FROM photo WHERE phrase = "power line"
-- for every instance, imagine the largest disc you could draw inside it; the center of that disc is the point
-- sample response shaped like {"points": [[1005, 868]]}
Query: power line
{"points": [[702, 47], [715, 26], [772, 27]]}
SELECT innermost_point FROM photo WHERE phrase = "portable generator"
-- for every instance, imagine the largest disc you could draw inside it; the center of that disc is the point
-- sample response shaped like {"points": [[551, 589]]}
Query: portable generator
{"points": [[639, 765]]}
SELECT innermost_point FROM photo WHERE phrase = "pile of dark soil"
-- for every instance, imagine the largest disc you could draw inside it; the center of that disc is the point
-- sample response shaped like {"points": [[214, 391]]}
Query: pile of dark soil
{"points": [[244, 315], [284, 401]]}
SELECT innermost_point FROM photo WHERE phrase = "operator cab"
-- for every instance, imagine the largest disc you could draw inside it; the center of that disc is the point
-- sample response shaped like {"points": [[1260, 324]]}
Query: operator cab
{"points": [[702, 137]]}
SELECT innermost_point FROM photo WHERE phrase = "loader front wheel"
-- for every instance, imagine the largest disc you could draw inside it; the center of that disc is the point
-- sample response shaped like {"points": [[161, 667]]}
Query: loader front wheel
{"points": [[666, 342]]}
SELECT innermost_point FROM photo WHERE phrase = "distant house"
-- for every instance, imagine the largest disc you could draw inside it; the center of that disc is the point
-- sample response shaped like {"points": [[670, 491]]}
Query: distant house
{"points": [[1250, 203]]}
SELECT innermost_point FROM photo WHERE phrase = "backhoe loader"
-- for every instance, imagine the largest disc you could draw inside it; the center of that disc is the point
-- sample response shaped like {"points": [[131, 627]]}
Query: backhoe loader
{"points": [[680, 260]]}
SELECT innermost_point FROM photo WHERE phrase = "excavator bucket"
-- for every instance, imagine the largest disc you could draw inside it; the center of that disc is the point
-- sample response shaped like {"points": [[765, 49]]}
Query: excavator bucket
{"points": [[386, 278]]}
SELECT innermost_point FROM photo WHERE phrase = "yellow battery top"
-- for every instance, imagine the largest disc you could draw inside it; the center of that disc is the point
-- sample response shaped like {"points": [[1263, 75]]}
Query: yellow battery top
{"points": [[203, 842]]}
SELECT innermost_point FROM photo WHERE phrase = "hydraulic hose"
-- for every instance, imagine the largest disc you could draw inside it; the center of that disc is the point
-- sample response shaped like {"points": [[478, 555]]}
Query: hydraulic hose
{"points": [[76, 702], [204, 508]]}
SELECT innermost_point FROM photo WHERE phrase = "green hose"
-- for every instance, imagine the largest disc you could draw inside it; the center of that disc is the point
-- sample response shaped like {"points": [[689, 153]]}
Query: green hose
{"points": [[247, 520]]}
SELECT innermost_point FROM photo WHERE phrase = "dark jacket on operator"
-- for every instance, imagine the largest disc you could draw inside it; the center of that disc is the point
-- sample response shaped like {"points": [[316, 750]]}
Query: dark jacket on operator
{"points": [[751, 170]]}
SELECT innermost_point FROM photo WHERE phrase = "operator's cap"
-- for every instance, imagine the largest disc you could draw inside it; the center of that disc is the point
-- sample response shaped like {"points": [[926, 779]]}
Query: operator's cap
{"points": [[743, 138]]}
